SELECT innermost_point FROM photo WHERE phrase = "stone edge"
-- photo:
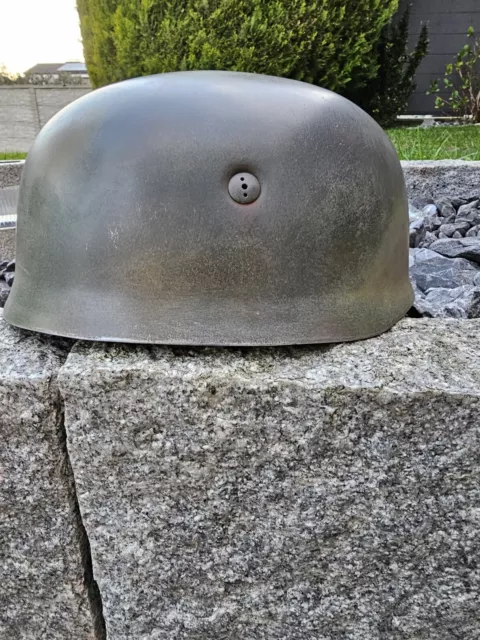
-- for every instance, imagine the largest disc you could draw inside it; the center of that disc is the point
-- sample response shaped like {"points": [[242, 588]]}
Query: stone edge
{"points": [[60, 349]]}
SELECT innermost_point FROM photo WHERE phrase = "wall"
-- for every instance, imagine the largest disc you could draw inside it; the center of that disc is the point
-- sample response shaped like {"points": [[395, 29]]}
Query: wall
{"points": [[24, 111], [448, 21]]}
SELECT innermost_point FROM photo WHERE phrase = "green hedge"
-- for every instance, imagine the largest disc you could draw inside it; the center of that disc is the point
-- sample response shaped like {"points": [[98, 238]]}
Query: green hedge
{"points": [[326, 42]]}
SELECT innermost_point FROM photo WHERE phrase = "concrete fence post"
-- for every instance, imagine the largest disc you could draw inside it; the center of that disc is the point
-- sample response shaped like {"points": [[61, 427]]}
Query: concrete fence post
{"points": [[36, 113]]}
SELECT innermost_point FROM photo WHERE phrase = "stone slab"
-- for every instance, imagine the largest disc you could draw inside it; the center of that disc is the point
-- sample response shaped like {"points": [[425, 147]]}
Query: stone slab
{"points": [[44, 570], [11, 173], [429, 180], [7, 243], [310, 493]]}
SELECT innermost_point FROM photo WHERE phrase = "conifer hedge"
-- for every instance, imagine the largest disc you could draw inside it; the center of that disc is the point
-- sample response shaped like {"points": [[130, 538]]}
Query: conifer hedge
{"points": [[325, 42]]}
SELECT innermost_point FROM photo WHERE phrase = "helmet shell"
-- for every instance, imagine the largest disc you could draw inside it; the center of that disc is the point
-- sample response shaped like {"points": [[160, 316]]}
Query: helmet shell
{"points": [[127, 230]]}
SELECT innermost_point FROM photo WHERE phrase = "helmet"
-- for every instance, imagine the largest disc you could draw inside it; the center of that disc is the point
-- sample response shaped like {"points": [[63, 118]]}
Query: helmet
{"points": [[211, 208]]}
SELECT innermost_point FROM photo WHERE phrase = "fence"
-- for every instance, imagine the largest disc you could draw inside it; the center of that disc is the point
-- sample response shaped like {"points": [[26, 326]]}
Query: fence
{"points": [[448, 21]]}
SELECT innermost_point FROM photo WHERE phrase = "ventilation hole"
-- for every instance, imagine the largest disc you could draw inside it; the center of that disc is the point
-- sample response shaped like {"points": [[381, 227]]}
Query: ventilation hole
{"points": [[245, 186], [242, 179], [245, 195]]}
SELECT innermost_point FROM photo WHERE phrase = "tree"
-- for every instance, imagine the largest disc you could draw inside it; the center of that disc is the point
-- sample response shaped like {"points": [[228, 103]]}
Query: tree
{"points": [[9, 78], [326, 42], [386, 95]]}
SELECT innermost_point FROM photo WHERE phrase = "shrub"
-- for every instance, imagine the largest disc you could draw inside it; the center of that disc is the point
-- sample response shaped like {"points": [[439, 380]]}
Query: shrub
{"points": [[9, 78], [326, 42], [462, 80], [386, 96], [96, 25]]}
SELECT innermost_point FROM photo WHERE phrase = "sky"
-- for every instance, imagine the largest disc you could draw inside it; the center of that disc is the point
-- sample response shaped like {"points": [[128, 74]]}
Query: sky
{"points": [[34, 31]]}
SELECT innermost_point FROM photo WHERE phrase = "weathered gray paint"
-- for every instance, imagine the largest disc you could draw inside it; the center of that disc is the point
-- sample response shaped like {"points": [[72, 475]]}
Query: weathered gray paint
{"points": [[139, 168], [448, 21]]}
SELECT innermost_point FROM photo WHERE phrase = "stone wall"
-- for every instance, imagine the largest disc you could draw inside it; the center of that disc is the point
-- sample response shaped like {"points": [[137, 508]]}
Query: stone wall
{"points": [[25, 109], [307, 492]]}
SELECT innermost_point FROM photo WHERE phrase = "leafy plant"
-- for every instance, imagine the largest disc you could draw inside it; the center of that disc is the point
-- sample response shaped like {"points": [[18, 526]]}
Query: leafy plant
{"points": [[386, 95], [326, 42], [462, 81], [62, 78]]}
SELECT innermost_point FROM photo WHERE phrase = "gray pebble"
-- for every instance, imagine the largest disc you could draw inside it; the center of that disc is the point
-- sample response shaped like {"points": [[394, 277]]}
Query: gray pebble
{"points": [[429, 269], [417, 233], [462, 302], [468, 248], [458, 202], [449, 229], [445, 207], [468, 208], [4, 293], [430, 210]]}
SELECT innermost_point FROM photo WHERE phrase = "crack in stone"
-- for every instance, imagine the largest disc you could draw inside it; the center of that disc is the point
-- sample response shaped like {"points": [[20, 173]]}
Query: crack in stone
{"points": [[93, 592]]}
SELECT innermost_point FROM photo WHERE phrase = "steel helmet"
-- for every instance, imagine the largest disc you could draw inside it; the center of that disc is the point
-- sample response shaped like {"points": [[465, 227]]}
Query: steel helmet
{"points": [[211, 208]]}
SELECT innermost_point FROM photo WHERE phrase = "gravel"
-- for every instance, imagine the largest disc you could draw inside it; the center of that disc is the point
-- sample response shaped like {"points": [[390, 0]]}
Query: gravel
{"points": [[445, 258], [7, 276]]}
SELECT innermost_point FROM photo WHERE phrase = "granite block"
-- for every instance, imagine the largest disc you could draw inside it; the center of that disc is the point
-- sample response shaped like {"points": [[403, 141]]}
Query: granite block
{"points": [[44, 558], [11, 173], [7, 243], [303, 493]]}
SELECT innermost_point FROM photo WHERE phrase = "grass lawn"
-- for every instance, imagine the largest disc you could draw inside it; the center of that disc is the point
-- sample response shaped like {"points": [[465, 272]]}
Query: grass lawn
{"points": [[12, 155], [437, 143]]}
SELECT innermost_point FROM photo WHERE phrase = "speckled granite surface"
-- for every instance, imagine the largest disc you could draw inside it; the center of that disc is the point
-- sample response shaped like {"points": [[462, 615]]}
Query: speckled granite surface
{"points": [[10, 173], [43, 595], [283, 494], [7, 244]]}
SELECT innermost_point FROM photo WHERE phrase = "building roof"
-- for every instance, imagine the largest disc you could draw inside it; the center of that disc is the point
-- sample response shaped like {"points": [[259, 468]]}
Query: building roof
{"points": [[74, 67], [57, 67], [45, 67]]}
